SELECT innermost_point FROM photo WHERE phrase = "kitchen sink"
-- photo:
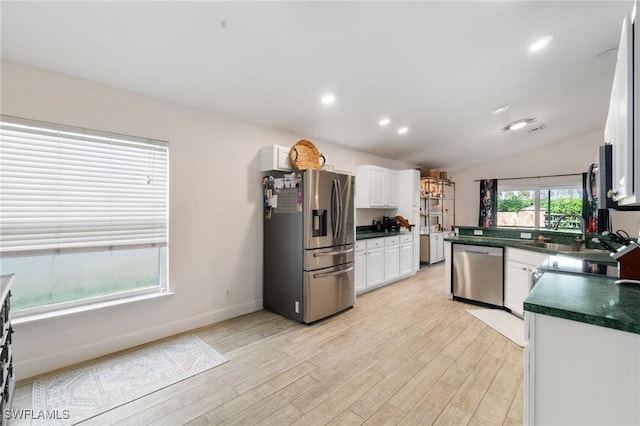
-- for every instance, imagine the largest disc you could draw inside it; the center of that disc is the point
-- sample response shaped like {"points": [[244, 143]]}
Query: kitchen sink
{"points": [[562, 248]]}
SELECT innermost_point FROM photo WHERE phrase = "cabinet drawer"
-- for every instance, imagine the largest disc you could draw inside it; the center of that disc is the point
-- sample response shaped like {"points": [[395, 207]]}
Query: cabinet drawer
{"points": [[531, 258], [375, 242], [392, 241], [360, 245], [406, 238]]}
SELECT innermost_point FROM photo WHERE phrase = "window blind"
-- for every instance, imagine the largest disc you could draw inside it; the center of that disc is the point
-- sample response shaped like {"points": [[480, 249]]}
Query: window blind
{"points": [[64, 188]]}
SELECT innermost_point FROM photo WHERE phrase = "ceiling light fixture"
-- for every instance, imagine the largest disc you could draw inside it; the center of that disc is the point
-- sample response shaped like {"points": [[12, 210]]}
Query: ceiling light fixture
{"points": [[500, 109], [384, 122], [327, 99], [519, 124], [540, 44], [403, 130]]}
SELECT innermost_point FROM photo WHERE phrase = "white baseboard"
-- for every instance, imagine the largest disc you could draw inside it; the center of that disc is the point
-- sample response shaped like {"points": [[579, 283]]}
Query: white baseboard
{"points": [[27, 368]]}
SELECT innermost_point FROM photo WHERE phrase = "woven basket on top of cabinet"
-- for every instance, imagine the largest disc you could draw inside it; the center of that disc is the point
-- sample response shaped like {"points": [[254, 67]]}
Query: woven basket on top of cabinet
{"points": [[304, 155]]}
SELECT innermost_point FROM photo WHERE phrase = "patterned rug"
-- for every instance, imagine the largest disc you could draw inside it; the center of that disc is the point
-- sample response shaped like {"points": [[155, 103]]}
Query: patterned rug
{"points": [[503, 322], [71, 396]]}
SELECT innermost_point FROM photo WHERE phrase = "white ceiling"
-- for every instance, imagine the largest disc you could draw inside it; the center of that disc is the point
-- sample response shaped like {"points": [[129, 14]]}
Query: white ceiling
{"points": [[437, 67]]}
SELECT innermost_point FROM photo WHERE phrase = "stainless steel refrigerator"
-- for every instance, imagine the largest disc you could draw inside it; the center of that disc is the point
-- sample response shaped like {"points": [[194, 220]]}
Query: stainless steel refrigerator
{"points": [[308, 244]]}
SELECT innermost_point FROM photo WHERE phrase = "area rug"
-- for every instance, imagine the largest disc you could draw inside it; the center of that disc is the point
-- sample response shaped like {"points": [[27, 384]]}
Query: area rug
{"points": [[503, 322], [71, 396]]}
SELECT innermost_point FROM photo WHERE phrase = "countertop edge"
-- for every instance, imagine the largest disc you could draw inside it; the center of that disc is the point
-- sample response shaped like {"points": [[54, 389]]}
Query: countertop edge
{"points": [[594, 320], [521, 245]]}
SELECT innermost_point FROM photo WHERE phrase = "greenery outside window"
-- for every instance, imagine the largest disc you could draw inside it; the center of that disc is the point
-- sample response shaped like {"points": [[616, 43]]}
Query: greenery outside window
{"points": [[539, 207], [84, 215]]}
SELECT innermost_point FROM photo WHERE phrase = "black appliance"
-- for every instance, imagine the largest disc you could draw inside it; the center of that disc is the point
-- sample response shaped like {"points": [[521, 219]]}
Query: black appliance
{"points": [[600, 182]]}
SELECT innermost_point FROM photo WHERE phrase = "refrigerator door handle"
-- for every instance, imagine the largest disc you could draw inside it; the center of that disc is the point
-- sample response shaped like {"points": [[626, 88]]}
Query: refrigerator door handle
{"points": [[339, 206], [330, 274], [333, 253], [334, 208]]}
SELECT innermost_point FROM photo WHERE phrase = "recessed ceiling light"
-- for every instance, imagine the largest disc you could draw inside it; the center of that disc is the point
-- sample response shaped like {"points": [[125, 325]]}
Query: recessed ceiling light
{"points": [[384, 122], [519, 124], [327, 99], [500, 109], [403, 130], [540, 44]]}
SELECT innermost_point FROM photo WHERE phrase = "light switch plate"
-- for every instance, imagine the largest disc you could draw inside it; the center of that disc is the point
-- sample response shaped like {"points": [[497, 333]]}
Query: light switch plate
{"points": [[525, 235], [478, 232]]}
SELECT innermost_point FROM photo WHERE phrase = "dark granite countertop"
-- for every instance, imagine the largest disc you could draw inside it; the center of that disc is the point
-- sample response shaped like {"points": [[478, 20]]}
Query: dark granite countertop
{"points": [[366, 235], [599, 256], [588, 299]]}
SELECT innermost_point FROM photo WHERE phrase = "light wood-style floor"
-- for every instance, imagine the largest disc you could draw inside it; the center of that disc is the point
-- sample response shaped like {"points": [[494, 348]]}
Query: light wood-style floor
{"points": [[404, 355]]}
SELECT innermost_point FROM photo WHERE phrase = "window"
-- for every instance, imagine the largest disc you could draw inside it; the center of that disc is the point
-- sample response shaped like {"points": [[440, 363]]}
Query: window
{"points": [[83, 214], [539, 207]]}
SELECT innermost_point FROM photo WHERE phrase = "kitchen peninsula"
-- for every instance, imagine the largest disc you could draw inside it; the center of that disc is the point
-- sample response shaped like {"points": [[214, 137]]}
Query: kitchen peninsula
{"points": [[582, 359]]}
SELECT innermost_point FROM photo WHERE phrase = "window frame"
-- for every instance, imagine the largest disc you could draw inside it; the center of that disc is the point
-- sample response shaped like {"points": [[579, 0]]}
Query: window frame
{"points": [[162, 286], [537, 189]]}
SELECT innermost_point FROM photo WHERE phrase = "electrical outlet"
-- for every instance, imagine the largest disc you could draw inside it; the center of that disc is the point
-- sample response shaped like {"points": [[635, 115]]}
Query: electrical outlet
{"points": [[297, 307], [478, 232], [525, 235], [227, 294]]}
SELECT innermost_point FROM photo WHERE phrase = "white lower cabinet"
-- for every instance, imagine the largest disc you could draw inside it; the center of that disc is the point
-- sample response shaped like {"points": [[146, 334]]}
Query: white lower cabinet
{"points": [[580, 374], [436, 248], [381, 261], [406, 255], [448, 288], [391, 258], [375, 267], [518, 267], [361, 267]]}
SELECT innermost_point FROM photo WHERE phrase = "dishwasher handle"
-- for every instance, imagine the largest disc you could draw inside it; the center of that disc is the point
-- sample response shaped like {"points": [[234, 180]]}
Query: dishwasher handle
{"points": [[487, 253]]}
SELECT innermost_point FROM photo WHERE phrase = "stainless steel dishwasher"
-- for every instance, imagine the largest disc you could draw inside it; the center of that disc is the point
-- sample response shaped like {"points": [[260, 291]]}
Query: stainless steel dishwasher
{"points": [[478, 273]]}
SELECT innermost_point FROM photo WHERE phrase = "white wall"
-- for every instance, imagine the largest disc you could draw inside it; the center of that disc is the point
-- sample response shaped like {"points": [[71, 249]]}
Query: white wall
{"points": [[215, 210], [570, 156]]}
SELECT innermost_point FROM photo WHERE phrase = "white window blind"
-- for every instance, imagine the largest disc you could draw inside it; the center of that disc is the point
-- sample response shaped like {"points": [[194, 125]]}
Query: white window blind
{"points": [[70, 189]]}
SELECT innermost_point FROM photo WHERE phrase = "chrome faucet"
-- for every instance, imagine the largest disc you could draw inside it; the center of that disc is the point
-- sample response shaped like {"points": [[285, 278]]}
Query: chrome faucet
{"points": [[583, 227]]}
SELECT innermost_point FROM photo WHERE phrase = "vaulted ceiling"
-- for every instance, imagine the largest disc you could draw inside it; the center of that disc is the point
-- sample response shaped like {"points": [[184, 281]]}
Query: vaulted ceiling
{"points": [[438, 68]]}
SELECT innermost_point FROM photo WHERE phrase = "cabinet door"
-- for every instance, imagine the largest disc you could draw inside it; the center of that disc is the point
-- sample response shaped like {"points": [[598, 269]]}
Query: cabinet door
{"points": [[391, 188], [406, 259], [619, 125], [361, 271], [391, 263], [377, 182], [516, 287], [375, 267], [436, 248]]}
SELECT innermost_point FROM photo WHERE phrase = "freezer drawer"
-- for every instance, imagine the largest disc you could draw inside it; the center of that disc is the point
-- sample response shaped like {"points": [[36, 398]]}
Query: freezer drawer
{"points": [[328, 291], [327, 257]]}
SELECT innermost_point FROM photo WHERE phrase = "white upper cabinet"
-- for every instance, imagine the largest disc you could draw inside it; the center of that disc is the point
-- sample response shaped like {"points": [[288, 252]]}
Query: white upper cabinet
{"points": [[274, 157], [620, 130], [376, 187]]}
